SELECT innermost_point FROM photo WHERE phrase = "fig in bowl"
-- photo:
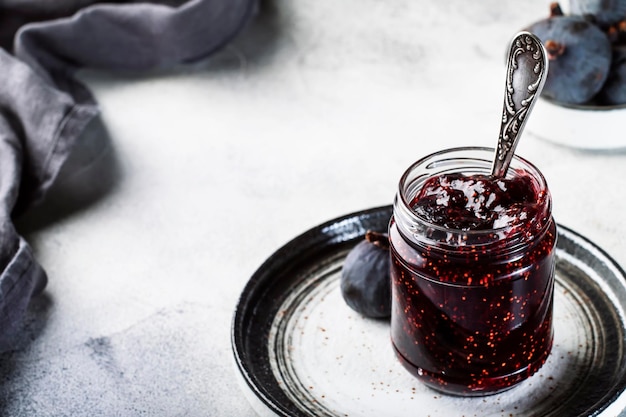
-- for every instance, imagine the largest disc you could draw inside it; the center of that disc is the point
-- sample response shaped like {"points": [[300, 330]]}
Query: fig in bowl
{"points": [[586, 84]]}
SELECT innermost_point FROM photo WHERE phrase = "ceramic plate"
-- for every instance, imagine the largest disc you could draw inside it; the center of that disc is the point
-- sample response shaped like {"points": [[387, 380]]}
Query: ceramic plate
{"points": [[582, 127], [300, 351]]}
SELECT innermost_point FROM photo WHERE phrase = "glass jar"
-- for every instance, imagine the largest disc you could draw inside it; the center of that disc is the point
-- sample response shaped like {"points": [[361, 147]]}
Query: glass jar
{"points": [[471, 309]]}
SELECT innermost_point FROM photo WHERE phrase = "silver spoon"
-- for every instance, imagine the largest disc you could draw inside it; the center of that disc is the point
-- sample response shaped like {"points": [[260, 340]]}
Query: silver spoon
{"points": [[526, 73]]}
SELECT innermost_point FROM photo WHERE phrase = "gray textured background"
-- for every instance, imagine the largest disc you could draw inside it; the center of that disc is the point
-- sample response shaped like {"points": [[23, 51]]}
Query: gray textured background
{"points": [[313, 112]]}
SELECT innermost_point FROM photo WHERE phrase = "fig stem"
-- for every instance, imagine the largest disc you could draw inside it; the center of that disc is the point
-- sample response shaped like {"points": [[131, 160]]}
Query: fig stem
{"points": [[554, 48], [555, 9], [380, 240]]}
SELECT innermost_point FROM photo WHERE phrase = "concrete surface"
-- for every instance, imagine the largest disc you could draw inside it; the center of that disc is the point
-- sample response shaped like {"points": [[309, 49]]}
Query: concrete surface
{"points": [[193, 177]]}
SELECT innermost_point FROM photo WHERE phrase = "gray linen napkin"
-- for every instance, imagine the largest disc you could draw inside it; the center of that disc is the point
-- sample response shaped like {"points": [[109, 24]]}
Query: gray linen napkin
{"points": [[44, 108]]}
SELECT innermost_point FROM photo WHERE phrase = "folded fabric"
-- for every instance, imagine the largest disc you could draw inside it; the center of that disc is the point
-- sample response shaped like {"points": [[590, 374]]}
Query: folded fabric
{"points": [[44, 108]]}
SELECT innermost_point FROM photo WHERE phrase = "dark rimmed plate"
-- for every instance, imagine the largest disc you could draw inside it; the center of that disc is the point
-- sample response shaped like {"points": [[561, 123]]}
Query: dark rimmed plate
{"points": [[300, 351]]}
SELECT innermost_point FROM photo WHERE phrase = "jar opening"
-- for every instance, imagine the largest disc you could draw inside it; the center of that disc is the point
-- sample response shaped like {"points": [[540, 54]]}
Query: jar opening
{"points": [[423, 227]]}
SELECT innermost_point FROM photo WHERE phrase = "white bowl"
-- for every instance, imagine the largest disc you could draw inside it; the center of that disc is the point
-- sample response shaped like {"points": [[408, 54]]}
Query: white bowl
{"points": [[579, 126]]}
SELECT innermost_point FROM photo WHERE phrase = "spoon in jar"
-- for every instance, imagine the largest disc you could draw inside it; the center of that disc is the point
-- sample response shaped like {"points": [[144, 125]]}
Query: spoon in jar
{"points": [[526, 72]]}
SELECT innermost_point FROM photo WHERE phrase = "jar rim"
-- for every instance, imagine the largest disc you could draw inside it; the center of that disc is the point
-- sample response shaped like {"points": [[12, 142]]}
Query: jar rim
{"points": [[481, 159]]}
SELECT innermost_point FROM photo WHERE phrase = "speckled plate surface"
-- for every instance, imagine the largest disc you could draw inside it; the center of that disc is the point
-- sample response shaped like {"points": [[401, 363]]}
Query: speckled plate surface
{"points": [[300, 351]]}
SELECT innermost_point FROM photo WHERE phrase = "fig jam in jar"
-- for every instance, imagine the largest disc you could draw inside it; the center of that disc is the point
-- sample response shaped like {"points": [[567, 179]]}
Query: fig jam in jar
{"points": [[472, 272]]}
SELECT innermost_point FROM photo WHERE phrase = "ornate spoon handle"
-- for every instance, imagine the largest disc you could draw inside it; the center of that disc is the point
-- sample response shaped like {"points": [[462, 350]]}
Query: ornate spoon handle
{"points": [[527, 69]]}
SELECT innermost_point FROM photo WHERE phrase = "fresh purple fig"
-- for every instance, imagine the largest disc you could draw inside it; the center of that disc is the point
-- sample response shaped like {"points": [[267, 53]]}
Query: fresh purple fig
{"points": [[579, 54], [365, 277]]}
